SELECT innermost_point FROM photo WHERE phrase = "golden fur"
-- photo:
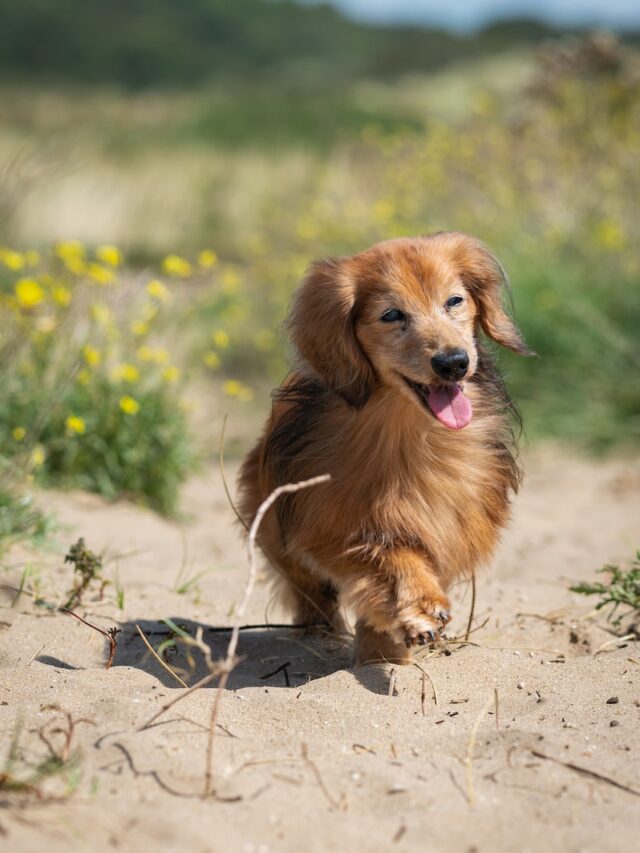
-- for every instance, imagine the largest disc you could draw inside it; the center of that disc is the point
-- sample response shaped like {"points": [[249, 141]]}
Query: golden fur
{"points": [[411, 505]]}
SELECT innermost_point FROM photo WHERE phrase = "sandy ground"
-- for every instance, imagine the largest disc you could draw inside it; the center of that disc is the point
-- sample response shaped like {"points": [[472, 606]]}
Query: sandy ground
{"points": [[381, 771]]}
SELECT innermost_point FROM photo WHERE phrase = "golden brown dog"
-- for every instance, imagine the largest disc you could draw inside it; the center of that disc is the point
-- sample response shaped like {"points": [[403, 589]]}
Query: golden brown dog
{"points": [[395, 398]]}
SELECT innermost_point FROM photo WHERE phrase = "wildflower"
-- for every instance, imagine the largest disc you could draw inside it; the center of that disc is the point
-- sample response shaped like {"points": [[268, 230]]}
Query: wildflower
{"points": [[232, 387], [61, 294], [147, 353], [92, 356], [171, 374], [176, 266], [29, 293], [220, 338], [12, 260], [19, 433], [83, 376], [129, 406], [70, 249], [101, 314], [110, 255], [207, 259], [211, 359], [75, 425], [139, 328], [100, 274], [158, 291], [125, 373], [38, 456]]}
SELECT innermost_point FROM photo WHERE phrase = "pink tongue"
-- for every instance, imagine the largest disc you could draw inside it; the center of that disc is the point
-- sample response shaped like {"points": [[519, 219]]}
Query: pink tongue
{"points": [[450, 406]]}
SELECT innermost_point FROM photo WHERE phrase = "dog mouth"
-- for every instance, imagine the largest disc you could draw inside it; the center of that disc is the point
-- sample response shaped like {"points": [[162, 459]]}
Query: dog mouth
{"points": [[448, 403]]}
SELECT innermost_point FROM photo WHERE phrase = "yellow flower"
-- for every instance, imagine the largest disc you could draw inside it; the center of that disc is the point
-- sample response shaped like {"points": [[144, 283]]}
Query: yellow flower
{"points": [[19, 433], [101, 314], [110, 255], [75, 425], [139, 328], [158, 291], [29, 293], [129, 406], [100, 274], [232, 387], [171, 374], [12, 260], [126, 373], [70, 249], [211, 359], [83, 376], [91, 355], [176, 266], [220, 338], [146, 353], [61, 294], [38, 456], [207, 259]]}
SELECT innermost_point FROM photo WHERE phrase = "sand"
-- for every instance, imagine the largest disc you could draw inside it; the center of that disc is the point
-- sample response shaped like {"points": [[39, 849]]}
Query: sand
{"points": [[330, 761]]}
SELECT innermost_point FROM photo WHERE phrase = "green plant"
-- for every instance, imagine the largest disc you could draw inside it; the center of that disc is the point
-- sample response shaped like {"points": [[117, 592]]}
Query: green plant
{"points": [[87, 566], [621, 589]]}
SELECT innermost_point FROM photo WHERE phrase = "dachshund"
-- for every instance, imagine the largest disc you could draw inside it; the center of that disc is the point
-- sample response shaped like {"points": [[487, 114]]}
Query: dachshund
{"points": [[398, 400]]}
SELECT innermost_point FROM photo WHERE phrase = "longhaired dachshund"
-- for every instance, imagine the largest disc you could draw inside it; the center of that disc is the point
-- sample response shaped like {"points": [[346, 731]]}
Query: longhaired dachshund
{"points": [[397, 399]]}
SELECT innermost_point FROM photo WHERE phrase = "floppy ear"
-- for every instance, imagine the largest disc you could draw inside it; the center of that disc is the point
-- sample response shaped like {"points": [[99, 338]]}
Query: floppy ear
{"points": [[322, 327], [487, 281]]}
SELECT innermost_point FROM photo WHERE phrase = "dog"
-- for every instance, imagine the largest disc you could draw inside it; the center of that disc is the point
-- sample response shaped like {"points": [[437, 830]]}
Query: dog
{"points": [[398, 400]]}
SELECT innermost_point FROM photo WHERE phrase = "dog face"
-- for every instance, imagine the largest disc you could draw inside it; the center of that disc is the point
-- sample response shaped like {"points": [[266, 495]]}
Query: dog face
{"points": [[404, 314]]}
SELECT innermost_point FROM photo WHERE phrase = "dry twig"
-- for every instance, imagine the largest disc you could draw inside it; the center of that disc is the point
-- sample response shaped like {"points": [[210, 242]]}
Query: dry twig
{"points": [[110, 634], [162, 663], [227, 665], [473, 606]]}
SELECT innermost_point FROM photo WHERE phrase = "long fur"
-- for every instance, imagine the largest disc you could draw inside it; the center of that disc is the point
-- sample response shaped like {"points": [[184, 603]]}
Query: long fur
{"points": [[411, 505]]}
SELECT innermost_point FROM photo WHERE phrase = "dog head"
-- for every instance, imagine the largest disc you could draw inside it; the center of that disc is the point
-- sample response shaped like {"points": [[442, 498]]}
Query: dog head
{"points": [[404, 314]]}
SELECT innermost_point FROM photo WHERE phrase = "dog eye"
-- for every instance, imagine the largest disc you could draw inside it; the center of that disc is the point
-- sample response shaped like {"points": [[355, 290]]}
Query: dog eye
{"points": [[453, 301], [393, 316]]}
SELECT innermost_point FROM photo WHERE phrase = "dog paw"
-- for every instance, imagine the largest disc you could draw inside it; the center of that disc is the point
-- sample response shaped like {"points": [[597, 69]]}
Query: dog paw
{"points": [[422, 621]]}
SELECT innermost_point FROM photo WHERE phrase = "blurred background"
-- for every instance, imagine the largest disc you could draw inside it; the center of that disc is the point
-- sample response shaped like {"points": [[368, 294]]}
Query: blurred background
{"points": [[168, 168]]}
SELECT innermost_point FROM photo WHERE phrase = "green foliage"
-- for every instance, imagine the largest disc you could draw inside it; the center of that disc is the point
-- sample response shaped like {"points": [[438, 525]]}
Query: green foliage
{"points": [[20, 519], [87, 566], [155, 43], [87, 400], [622, 588]]}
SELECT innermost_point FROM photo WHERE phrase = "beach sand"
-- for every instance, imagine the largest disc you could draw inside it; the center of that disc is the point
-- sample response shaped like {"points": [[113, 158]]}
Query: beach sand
{"points": [[316, 756]]}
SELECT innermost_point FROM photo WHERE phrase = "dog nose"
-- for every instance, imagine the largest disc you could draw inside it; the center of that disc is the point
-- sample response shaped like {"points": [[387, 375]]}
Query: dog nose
{"points": [[450, 364]]}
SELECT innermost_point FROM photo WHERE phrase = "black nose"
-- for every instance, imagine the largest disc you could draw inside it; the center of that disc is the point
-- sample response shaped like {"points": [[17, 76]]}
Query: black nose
{"points": [[450, 364]]}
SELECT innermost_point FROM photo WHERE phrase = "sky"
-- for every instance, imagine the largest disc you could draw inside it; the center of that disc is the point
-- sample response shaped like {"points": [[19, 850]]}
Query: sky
{"points": [[466, 15]]}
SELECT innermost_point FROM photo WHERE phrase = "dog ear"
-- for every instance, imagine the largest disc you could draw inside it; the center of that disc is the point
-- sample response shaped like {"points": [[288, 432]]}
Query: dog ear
{"points": [[486, 279], [322, 328]]}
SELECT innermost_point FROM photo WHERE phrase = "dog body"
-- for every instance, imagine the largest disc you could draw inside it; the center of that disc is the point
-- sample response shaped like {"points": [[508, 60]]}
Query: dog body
{"points": [[421, 463]]}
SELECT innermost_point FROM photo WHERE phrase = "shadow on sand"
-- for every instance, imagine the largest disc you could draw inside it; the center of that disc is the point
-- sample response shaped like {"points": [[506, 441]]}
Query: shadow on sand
{"points": [[270, 657]]}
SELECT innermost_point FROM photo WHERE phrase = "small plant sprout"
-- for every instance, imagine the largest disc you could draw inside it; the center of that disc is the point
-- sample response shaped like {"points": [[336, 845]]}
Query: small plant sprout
{"points": [[621, 589], [88, 567]]}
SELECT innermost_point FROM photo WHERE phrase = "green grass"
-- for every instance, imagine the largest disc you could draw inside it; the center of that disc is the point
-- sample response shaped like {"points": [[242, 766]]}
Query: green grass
{"points": [[620, 589]]}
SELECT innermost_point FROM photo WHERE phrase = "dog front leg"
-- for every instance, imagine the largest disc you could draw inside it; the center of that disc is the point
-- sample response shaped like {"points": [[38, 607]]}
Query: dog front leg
{"points": [[399, 604]]}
